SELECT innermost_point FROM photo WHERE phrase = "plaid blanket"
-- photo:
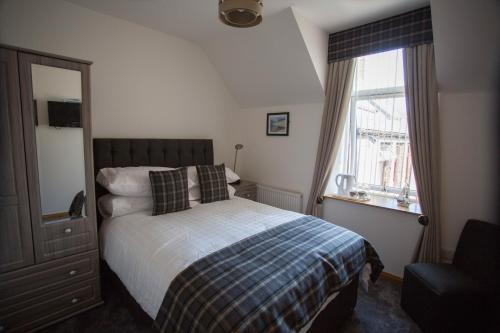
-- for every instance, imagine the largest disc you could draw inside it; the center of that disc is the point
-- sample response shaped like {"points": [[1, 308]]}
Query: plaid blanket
{"points": [[275, 281]]}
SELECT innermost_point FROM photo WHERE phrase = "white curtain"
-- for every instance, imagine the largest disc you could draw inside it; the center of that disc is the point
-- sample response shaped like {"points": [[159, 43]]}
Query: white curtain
{"points": [[338, 94], [423, 126]]}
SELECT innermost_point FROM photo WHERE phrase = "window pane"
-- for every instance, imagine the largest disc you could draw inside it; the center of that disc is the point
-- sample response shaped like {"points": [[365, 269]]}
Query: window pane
{"points": [[381, 70], [382, 142], [375, 145]]}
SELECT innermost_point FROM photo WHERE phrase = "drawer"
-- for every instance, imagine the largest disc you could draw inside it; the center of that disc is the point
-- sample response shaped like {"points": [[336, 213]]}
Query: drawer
{"points": [[49, 307], [68, 237], [29, 282]]}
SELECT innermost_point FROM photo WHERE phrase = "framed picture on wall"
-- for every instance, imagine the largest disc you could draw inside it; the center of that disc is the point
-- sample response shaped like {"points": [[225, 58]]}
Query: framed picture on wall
{"points": [[278, 124]]}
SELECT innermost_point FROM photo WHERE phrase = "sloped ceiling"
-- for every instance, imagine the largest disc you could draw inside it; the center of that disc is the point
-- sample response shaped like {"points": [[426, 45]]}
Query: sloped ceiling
{"points": [[316, 41], [268, 65], [279, 62]]}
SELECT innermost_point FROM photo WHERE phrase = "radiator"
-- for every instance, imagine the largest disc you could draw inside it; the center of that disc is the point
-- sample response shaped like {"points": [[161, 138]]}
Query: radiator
{"points": [[279, 198]]}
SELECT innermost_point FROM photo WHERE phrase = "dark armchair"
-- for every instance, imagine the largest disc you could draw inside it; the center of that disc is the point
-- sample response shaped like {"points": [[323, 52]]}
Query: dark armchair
{"points": [[459, 297]]}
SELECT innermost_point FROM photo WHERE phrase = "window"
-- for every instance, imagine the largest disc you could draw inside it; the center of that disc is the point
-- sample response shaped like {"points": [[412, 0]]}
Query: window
{"points": [[375, 145]]}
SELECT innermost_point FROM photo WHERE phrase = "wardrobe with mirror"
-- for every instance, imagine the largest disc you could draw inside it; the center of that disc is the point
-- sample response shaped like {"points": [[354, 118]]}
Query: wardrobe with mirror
{"points": [[49, 261]]}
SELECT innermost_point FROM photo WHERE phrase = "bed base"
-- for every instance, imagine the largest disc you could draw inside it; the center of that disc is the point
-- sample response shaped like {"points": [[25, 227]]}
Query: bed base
{"points": [[329, 320]]}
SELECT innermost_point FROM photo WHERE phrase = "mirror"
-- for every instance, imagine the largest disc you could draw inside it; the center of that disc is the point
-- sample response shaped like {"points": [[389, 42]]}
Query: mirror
{"points": [[57, 96]]}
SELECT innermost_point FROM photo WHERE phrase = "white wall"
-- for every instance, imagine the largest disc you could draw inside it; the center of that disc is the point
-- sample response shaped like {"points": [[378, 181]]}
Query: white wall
{"points": [[144, 83], [283, 162], [393, 234], [467, 40], [469, 150]]}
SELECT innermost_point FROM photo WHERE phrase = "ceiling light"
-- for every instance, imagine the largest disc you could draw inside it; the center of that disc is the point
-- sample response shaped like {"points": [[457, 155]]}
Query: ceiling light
{"points": [[240, 13]]}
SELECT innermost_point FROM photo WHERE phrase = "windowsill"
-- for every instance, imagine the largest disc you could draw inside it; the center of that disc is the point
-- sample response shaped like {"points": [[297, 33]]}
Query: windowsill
{"points": [[379, 201]]}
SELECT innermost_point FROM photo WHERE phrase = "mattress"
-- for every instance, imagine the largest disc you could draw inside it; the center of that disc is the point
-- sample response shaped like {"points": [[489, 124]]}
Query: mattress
{"points": [[147, 252]]}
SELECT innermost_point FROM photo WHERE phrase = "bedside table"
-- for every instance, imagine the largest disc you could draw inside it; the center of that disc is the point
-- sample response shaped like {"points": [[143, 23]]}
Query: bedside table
{"points": [[246, 189]]}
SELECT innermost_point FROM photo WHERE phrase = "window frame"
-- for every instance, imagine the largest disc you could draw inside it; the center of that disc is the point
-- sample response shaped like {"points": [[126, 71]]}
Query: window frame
{"points": [[352, 137]]}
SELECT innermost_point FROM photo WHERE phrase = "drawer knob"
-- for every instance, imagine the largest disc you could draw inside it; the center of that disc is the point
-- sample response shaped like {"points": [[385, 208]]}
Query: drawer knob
{"points": [[74, 300], [72, 272], [68, 230]]}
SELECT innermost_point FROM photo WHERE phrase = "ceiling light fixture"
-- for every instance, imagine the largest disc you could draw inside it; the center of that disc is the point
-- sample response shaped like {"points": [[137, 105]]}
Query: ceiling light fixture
{"points": [[240, 13]]}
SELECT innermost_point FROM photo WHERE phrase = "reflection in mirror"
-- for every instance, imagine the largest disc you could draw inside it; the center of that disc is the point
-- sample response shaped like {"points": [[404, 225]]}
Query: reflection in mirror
{"points": [[57, 95]]}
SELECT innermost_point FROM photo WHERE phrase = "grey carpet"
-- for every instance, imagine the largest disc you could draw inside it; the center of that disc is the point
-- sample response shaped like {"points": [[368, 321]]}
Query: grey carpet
{"points": [[379, 311], [376, 311]]}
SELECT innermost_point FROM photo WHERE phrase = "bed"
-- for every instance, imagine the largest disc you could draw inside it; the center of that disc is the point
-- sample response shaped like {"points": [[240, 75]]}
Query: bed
{"points": [[147, 252]]}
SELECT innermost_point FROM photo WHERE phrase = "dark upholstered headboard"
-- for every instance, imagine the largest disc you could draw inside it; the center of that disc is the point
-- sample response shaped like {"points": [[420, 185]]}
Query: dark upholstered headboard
{"points": [[111, 153]]}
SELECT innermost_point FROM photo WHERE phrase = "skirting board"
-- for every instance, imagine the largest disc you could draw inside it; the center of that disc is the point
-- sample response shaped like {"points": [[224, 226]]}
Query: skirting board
{"points": [[391, 277]]}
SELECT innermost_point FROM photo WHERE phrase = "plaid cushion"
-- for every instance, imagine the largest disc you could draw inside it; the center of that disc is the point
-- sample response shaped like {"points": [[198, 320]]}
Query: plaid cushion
{"points": [[170, 191], [213, 183]]}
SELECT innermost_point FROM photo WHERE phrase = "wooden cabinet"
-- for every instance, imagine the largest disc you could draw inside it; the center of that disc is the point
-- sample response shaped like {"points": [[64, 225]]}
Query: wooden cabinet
{"points": [[65, 285], [49, 260], [65, 238], [18, 285], [34, 313], [16, 247]]}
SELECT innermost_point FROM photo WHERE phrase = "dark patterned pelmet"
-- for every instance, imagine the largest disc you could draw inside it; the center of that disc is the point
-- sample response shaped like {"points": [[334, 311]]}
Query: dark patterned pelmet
{"points": [[376, 311]]}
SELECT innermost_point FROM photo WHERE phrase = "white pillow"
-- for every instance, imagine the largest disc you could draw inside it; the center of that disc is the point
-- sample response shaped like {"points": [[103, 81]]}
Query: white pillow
{"points": [[113, 205], [193, 176], [231, 177], [194, 203], [195, 195], [129, 181]]}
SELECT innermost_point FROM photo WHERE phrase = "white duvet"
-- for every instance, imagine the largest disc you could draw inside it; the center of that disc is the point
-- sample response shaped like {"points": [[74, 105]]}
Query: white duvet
{"points": [[147, 252]]}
